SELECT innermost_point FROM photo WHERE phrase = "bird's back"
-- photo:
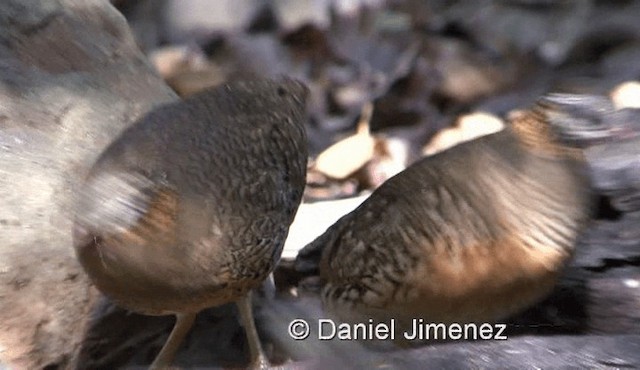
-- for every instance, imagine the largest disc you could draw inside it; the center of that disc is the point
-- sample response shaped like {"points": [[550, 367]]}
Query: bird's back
{"points": [[202, 193], [473, 233]]}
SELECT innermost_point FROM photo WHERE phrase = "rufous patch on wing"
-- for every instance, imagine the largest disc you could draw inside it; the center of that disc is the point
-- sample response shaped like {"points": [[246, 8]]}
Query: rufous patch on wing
{"points": [[158, 224]]}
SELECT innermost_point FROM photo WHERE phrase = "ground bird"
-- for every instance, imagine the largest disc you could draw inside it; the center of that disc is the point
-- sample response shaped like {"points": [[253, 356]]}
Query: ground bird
{"points": [[190, 207], [473, 234]]}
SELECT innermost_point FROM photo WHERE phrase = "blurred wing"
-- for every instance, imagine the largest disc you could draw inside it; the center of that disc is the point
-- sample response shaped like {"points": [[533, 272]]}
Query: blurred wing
{"points": [[127, 204]]}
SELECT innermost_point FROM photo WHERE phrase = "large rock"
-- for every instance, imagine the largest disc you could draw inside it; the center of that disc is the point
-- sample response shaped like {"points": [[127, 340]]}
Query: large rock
{"points": [[71, 78]]}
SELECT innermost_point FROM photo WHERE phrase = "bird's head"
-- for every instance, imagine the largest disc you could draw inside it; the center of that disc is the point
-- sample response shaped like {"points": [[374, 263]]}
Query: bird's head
{"points": [[586, 120]]}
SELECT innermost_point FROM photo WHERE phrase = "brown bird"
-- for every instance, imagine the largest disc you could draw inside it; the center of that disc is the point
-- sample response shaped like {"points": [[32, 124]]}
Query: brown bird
{"points": [[190, 207], [473, 234]]}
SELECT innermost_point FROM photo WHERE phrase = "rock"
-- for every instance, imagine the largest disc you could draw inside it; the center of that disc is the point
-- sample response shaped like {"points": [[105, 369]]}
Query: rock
{"points": [[467, 75], [71, 78], [557, 352], [144, 19], [622, 63], [549, 30], [295, 13], [615, 172]]}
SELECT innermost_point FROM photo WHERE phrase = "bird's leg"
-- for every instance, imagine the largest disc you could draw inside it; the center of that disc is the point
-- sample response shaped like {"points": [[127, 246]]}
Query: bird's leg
{"points": [[269, 287], [258, 359], [184, 322]]}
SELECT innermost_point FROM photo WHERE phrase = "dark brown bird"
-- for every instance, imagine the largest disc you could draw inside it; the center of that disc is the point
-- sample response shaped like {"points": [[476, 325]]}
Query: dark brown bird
{"points": [[190, 207], [473, 234]]}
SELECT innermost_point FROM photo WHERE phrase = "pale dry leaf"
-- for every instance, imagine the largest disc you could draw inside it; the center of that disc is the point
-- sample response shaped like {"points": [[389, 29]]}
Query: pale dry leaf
{"points": [[626, 95], [468, 127], [350, 154], [392, 157], [313, 219], [190, 82], [479, 124], [171, 60]]}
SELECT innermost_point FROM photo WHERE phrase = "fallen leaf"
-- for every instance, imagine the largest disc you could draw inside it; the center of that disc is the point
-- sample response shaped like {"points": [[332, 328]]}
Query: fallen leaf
{"points": [[468, 127], [350, 154], [313, 219], [626, 95]]}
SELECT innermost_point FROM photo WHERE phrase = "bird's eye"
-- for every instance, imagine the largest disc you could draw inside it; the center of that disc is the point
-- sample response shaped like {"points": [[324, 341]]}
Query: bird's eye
{"points": [[281, 91]]}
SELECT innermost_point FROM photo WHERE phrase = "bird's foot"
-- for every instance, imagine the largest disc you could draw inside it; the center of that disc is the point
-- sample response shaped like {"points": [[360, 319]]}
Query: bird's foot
{"points": [[261, 362]]}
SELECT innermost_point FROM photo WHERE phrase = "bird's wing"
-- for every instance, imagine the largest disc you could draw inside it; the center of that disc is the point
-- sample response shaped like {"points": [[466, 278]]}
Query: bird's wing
{"points": [[126, 203]]}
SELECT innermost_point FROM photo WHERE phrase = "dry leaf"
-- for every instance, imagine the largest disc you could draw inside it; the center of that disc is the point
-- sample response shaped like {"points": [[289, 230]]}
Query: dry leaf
{"points": [[172, 60], [350, 154], [626, 95], [468, 127], [190, 82], [391, 157], [313, 219]]}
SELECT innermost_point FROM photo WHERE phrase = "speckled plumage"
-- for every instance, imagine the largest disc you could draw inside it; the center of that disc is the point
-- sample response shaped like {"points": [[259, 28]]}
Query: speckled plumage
{"points": [[190, 207], [473, 234]]}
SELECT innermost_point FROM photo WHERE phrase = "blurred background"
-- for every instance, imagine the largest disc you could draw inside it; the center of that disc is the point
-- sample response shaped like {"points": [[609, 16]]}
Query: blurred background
{"points": [[389, 75]]}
